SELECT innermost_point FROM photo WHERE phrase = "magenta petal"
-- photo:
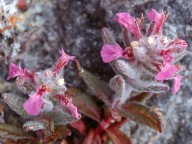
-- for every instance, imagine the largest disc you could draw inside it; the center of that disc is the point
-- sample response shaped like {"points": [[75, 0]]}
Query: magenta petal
{"points": [[14, 71], [127, 21], [153, 15], [177, 84], [167, 72], [63, 61], [33, 105], [158, 18], [110, 52]]}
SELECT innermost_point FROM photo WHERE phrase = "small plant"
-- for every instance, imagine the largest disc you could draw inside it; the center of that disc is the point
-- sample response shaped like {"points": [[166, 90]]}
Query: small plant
{"points": [[47, 100], [147, 60]]}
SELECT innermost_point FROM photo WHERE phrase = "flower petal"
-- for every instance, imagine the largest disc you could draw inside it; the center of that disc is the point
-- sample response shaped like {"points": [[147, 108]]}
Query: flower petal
{"points": [[153, 15], [127, 21], [111, 52], [177, 84], [33, 105], [14, 71], [158, 18], [167, 71], [62, 61]]}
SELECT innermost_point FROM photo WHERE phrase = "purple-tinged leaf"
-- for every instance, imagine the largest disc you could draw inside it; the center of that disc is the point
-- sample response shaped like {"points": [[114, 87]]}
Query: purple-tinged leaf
{"points": [[98, 87], [108, 36], [13, 132], [61, 115], [140, 97], [141, 114], [59, 133], [118, 137]]}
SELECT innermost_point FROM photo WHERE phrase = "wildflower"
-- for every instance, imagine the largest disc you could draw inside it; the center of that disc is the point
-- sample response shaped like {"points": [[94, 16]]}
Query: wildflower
{"points": [[111, 52], [177, 84], [15, 71], [158, 18], [127, 21], [147, 60], [33, 105], [62, 61], [167, 71], [50, 86]]}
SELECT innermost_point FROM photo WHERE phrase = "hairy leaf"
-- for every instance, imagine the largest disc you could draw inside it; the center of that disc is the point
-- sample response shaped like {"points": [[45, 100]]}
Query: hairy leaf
{"points": [[33, 126], [84, 103], [107, 36], [140, 97], [61, 115], [98, 87], [59, 133], [16, 103], [141, 114], [13, 132], [118, 137]]}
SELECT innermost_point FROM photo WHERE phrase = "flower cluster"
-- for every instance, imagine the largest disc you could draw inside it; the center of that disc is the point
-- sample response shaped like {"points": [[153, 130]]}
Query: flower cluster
{"points": [[147, 60], [46, 87]]}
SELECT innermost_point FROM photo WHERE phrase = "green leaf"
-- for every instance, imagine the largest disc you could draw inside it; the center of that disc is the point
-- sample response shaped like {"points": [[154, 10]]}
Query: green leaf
{"points": [[98, 87], [141, 114], [118, 137], [84, 103], [12, 132], [140, 97], [16, 103]]}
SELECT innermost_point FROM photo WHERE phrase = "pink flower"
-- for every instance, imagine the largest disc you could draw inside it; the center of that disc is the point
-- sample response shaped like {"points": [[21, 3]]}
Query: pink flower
{"points": [[62, 61], [127, 21], [111, 52], [158, 18], [167, 71], [67, 102], [33, 105], [177, 84], [16, 70]]}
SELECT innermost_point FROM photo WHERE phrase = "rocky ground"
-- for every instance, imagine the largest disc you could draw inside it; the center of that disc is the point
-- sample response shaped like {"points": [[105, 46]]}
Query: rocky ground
{"points": [[75, 25]]}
